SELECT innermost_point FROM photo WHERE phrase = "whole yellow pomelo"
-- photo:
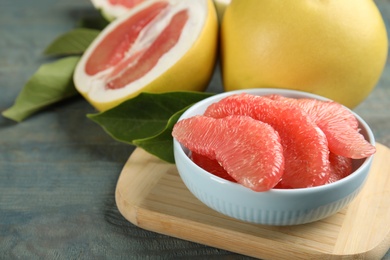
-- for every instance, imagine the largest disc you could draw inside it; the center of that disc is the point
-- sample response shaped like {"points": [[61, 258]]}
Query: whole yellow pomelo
{"points": [[334, 48]]}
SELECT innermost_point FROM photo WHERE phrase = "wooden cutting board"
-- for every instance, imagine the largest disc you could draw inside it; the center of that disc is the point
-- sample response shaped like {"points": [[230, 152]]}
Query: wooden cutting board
{"points": [[151, 195]]}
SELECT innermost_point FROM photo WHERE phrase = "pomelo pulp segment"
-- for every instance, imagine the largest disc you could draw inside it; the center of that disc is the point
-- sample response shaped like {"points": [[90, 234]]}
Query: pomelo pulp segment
{"points": [[338, 124], [211, 165], [239, 144], [158, 46]]}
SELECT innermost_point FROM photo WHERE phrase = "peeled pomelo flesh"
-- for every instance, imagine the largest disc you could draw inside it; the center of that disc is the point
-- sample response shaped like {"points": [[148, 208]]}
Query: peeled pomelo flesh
{"points": [[270, 108], [305, 146], [352, 146], [212, 166], [249, 150], [321, 111], [157, 46], [328, 115], [340, 167], [340, 129], [338, 124]]}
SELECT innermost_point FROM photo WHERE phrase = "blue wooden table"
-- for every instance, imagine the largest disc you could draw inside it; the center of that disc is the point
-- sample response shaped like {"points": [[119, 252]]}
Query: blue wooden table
{"points": [[58, 169]]}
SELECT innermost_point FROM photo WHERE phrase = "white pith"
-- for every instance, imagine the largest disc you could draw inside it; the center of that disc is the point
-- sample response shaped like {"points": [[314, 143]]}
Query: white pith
{"points": [[112, 11], [221, 5], [95, 86], [222, 2]]}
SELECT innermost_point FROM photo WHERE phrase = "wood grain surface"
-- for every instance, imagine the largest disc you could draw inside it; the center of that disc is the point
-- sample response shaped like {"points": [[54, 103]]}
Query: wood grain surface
{"points": [[151, 195], [59, 170]]}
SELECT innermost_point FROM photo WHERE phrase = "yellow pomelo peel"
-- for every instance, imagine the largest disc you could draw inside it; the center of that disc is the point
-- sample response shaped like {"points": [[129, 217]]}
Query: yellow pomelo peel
{"points": [[334, 48], [191, 72]]}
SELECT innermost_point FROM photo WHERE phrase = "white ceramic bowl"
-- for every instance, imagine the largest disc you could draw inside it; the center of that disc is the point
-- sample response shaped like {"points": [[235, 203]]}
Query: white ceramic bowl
{"points": [[277, 206]]}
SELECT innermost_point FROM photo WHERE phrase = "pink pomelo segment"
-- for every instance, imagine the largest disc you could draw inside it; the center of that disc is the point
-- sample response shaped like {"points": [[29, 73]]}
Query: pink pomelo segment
{"points": [[338, 124], [340, 167], [350, 145], [249, 150], [212, 166], [199, 134], [126, 3], [340, 127], [321, 111], [305, 146], [328, 114], [149, 57], [113, 48]]}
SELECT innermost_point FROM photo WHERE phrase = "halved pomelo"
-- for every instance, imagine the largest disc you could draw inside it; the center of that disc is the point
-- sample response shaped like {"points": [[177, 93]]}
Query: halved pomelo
{"points": [[158, 46], [305, 146], [249, 150]]}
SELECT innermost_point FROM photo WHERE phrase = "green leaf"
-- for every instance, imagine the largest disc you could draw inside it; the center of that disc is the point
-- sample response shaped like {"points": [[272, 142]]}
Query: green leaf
{"points": [[51, 83], [148, 116], [73, 42], [161, 145], [93, 22]]}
